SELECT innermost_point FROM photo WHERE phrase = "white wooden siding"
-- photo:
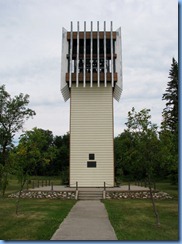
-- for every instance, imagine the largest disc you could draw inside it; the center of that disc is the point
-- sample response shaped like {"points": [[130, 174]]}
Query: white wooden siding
{"points": [[91, 128]]}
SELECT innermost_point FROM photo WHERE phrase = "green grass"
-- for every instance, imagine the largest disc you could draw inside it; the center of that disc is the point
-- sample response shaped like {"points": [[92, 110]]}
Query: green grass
{"points": [[38, 218], [168, 188], [13, 185], [55, 179], [134, 219]]}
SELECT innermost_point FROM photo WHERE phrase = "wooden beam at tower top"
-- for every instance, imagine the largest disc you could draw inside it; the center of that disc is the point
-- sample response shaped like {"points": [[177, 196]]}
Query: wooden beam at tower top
{"points": [[80, 76], [94, 35], [108, 56]]}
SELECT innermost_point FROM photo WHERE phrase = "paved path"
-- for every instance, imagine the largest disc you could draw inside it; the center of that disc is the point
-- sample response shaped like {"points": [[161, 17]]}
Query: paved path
{"points": [[87, 220]]}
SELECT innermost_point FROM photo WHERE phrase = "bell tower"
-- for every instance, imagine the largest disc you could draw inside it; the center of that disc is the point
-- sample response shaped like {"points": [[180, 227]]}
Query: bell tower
{"points": [[91, 76]]}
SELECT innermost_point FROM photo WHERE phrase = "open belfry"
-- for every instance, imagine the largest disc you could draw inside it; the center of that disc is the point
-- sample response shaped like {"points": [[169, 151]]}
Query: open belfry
{"points": [[91, 76]]}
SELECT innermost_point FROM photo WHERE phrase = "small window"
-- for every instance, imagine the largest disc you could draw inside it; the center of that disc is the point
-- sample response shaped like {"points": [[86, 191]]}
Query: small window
{"points": [[91, 156], [91, 164]]}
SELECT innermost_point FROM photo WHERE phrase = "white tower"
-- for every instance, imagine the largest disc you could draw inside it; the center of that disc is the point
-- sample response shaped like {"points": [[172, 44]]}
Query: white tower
{"points": [[91, 75]]}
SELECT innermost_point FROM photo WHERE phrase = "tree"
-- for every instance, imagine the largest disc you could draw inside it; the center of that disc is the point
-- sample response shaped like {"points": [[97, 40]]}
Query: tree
{"points": [[145, 147], [170, 112], [40, 142], [168, 156], [126, 157], [61, 161], [13, 113], [169, 125], [24, 157], [143, 138], [33, 154]]}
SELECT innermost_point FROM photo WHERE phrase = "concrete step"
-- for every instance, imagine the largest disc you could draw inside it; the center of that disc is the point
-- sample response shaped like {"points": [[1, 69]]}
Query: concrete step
{"points": [[90, 195]]}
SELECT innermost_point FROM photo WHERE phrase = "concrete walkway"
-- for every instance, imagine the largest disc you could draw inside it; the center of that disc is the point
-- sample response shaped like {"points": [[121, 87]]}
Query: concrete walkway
{"points": [[87, 220]]}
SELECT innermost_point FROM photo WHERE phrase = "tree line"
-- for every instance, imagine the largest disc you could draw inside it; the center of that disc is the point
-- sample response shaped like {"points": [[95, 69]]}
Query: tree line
{"points": [[142, 150]]}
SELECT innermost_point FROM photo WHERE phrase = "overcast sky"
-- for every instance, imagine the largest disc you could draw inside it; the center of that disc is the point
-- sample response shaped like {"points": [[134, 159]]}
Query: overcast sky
{"points": [[30, 53]]}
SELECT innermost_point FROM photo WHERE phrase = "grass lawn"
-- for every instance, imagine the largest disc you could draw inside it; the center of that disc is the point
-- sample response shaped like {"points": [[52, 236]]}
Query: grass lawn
{"points": [[13, 185], [38, 218], [133, 219]]}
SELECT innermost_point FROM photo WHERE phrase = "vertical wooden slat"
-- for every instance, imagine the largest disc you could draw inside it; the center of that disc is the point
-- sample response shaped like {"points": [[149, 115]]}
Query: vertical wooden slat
{"points": [[64, 66], [71, 47], [112, 77], [105, 80], [118, 87], [84, 56], [77, 56], [98, 58], [91, 55]]}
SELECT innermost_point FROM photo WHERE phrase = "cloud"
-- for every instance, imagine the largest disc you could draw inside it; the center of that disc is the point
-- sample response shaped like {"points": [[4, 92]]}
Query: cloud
{"points": [[31, 53]]}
